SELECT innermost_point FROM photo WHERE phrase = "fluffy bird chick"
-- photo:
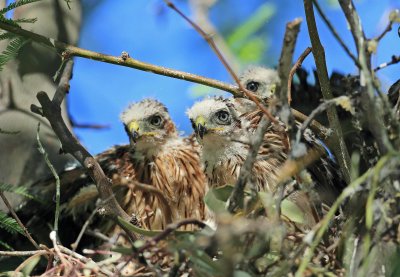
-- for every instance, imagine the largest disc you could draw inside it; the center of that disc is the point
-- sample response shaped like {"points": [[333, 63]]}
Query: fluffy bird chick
{"points": [[222, 127], [261, 81], [328, 180], [158, 157]]}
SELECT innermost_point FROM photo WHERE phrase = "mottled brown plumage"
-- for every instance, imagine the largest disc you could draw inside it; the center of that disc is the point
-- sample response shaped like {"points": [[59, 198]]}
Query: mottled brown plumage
{"points": [[224, 128]]}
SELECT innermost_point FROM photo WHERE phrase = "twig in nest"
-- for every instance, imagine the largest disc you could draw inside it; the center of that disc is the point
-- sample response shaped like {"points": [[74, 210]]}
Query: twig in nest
{"points": [[15, 216], [318, 231], [373, 107], [236, 199], [83, 229], [168, 230], [293, 71], [54, 172], [321, 108]]}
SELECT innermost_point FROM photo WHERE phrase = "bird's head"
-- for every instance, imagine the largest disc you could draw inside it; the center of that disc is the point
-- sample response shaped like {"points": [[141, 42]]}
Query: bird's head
{"points": [[260, 80], [148, 123], [214, 118]]}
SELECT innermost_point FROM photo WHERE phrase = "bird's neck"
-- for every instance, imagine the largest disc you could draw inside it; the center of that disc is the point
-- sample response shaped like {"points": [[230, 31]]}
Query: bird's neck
{"points": [[217, 150]]}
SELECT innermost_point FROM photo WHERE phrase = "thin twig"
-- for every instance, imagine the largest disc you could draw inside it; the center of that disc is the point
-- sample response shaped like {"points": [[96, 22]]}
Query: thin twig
{"points": [[168, 230], [286, 58], [54, 172], [236, 198], [335, 33], [373, 108], [22, 253], [85, 260], [15, 216], [339, 146], [208, 38], [388, 28], [293, 71], [321, 108], [73, 51], [319, 230], [75, 244], [395, 59]]}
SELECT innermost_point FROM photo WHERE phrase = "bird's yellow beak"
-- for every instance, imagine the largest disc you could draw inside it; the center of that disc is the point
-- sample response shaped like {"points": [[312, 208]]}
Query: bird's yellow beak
{"points": [[200, 126], [133, 128]]}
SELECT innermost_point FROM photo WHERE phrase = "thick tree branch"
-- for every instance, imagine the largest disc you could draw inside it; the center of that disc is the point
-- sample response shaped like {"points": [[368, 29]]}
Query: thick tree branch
{"points": [[339, 146], [52, 111]]}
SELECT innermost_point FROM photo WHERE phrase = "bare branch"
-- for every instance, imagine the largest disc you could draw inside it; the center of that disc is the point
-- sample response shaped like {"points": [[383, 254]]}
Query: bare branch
{"points": [[52, 111], [236, 199], [15, 216], [335, 33], [286, 58], [214, 47], [168, 230], [73, 51], [372, 106], [339, 146], [293, 71]]}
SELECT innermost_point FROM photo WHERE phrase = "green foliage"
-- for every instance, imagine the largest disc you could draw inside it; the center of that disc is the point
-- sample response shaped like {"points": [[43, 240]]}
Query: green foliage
{"points": [[9, 224], [12, 50], [17, 4], [6, 246], [244, 42], [20, 190], [216, 198]]}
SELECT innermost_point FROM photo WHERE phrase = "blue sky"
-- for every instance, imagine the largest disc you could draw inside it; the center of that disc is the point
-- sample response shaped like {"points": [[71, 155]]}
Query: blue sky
{"points": [[152, 33]]}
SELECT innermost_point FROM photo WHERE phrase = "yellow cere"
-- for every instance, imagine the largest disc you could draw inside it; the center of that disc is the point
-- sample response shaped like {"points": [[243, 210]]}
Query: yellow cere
{"points": [[133, 126], [200, 120]]}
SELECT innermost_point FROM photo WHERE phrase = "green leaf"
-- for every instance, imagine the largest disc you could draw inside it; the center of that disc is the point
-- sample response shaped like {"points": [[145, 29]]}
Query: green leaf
{"points": [[12, 50], [25, 20], [30, 266], [6, 246], [252, 50], [216, 198], [241, 273], [9, 224], [288, 208], [251, 26], [17, 4], [20, 190], [292, 211]]}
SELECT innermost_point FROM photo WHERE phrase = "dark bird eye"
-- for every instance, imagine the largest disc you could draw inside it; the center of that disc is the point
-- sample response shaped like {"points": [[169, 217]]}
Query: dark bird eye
{"points": [[156, 120], [252, 86], [223, 116]]}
